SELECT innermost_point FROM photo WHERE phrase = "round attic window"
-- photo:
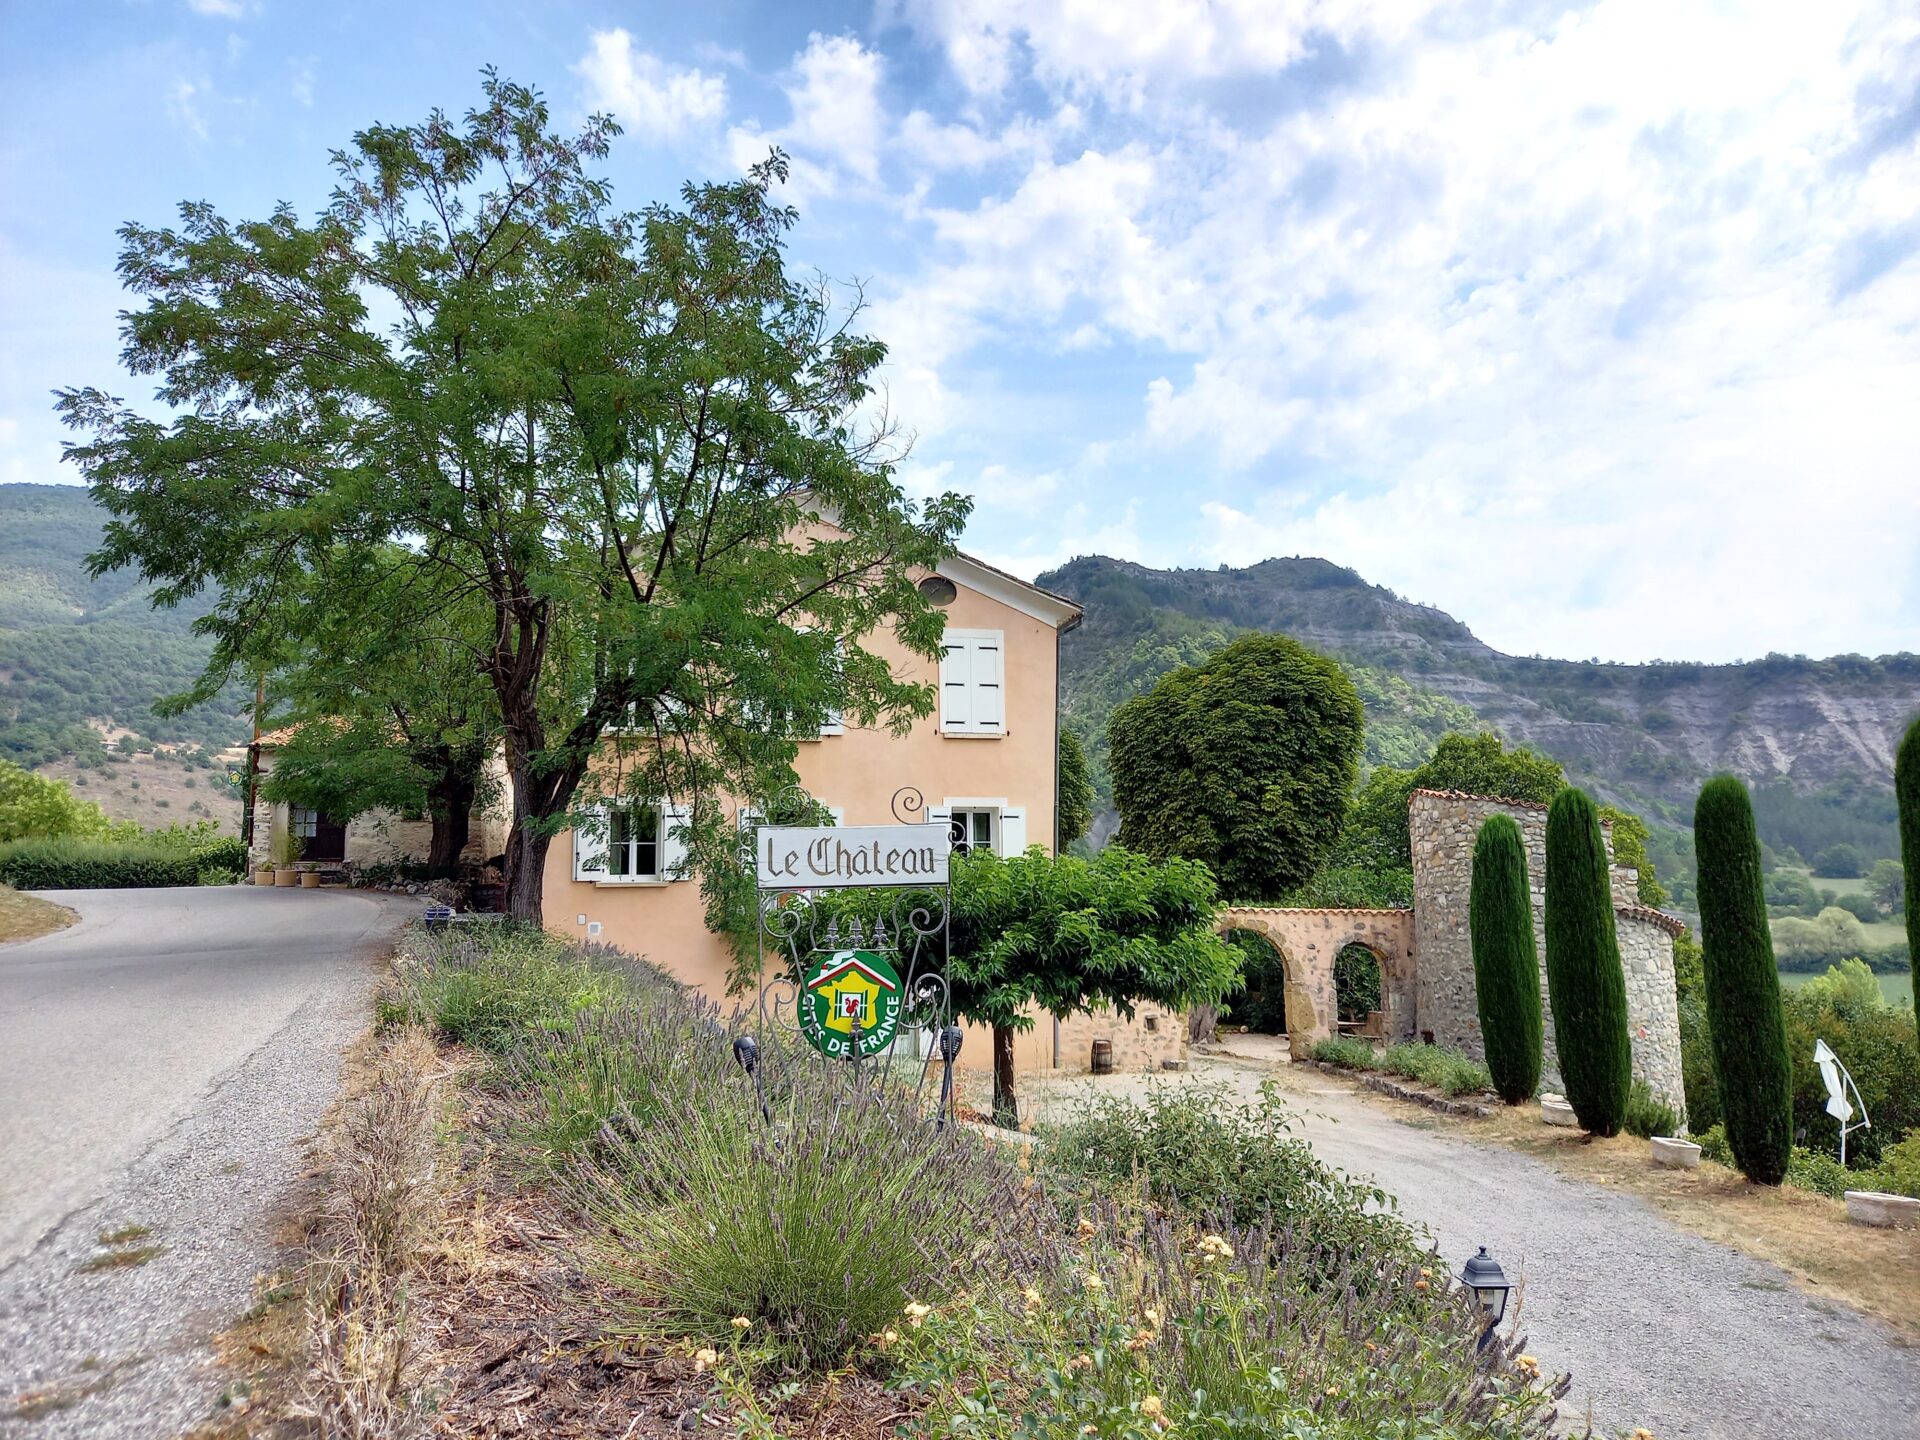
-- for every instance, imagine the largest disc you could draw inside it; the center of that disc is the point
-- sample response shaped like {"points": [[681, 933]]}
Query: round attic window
{"points": [[939, 590]]}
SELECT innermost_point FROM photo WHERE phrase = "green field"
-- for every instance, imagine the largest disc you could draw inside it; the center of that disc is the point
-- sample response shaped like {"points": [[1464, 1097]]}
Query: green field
{"points": [[1897, 988]]}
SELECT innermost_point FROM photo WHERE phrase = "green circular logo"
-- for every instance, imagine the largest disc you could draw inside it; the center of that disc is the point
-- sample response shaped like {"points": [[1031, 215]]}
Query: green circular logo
{"points": [[851, 1008]]}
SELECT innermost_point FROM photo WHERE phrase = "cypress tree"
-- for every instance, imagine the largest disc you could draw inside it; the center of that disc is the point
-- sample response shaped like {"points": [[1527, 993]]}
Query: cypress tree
{"points": [[1506, 965], [1906, 789], [1585, 983], [1743, 985]]}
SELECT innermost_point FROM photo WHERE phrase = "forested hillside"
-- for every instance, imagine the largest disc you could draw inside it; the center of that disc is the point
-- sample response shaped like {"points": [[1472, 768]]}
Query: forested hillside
{"points": [[74, 649], [1815, 737]]}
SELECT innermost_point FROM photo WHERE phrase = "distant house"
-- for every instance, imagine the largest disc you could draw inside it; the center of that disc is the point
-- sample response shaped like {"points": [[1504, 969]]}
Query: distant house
{"points": [[301, 835]]}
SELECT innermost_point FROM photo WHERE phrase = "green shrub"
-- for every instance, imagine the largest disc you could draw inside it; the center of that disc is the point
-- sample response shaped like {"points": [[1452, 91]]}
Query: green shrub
{"points": [[1585, 983], [1647, 1114], [1155, 1326], [658, 1056], [1506, 966], [74, 864], [1344, 1051], [1874, 1040], [1449, 1070], [1742, 983], [495, 989], [1819, 1172], [1713, 1145], [1899, 1171], [816, 1231], [1192, 1147]]}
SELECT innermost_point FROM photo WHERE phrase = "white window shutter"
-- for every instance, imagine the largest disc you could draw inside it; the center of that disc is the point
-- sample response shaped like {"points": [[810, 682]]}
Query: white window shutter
{"points": [[833, 724], [673, 841], [956, 687], [839, 814], [590, 845], [989, 698], [1013, 832], [941, 815]]}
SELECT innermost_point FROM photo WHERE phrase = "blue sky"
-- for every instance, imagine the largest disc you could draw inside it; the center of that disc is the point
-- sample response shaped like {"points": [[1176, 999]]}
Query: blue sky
{"points": [[1596, 325]]}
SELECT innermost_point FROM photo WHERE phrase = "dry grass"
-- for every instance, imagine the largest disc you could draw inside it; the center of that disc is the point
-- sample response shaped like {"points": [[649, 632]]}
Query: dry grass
{"points": [[381, 1212], [1808, 1236], [25, 917]]}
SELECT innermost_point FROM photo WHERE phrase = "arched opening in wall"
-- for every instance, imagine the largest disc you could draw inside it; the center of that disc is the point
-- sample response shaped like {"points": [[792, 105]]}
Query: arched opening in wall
{"points": [[1359, 988], [1260, 1004]]}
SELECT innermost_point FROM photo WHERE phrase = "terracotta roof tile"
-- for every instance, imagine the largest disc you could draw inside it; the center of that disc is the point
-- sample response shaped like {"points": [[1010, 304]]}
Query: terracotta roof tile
{"points": [[1672, 924]]}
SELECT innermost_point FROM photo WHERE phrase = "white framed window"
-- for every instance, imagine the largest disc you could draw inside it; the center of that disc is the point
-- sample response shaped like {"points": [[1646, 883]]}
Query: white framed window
{"points": [[302, 822], [636, 842], [975, 825], [973, 683]]}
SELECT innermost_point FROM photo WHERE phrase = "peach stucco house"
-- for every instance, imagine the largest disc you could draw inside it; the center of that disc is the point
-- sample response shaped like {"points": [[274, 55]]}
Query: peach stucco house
{"points": [[984, 761]]}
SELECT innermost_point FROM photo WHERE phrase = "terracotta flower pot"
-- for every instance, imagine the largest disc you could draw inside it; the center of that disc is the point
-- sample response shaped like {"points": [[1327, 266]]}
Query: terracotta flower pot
{"points": [[263, 874], [309, 879], [285, 879]]}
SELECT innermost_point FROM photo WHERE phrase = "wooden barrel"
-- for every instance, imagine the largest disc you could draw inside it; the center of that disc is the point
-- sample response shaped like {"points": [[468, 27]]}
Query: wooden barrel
{"points": [[1103, 1057]]}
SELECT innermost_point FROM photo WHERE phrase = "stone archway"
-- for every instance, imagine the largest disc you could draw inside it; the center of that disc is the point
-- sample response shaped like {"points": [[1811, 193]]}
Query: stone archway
{"points": [[1310, 940]]}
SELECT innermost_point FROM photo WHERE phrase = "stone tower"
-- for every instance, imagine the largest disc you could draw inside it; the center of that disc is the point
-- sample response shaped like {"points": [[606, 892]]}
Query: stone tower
{"points": [[1444, 826]]}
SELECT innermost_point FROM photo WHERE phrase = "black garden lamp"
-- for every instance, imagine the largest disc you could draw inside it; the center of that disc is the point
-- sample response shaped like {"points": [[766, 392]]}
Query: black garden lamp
{"points": [[1490, 1286]]}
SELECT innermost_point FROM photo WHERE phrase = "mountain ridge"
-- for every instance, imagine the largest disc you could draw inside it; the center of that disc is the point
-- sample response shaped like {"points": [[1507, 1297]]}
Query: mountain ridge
{"points": [[1804, 732]]}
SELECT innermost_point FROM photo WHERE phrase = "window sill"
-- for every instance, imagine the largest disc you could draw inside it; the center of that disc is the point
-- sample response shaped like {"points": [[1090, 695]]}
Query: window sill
{"points": [[642, 882], [973, 734]]}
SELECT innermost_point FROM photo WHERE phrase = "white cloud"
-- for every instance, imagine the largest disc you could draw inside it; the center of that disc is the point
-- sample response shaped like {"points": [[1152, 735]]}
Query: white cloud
{"points": [[221, 9], [1125, 49], [837, 122], [646, 94], [183, 107], [1560, 327]]}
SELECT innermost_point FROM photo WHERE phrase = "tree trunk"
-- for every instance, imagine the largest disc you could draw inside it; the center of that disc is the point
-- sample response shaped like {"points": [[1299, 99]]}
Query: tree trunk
{"points": [[450, 805], [1006, 1108], [526, 868]]}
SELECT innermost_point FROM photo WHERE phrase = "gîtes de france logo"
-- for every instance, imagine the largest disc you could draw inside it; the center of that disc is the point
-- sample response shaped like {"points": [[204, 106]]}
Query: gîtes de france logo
{"points": [[852, 1004]]}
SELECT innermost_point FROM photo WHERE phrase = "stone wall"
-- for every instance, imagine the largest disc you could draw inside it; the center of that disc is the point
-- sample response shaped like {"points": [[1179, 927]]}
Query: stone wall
{"points": [[1153, 1035], [1443, 827], [1309, 941]]}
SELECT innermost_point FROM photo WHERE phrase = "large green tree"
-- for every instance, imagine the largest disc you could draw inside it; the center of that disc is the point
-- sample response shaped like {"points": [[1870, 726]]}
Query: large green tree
{"points": [[1585, 982], [1479, 764], [645, 448], [1906, 787], [1244, 761], [1065, 935], [1506, 966], [379, 719], [1755, 1080]]}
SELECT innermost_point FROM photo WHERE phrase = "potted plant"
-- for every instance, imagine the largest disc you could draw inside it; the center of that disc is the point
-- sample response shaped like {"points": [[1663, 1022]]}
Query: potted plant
{"points": [[284, 875], [263, 873]]}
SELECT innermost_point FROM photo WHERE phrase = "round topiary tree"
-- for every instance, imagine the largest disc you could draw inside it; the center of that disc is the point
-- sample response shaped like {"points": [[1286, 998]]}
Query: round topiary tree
{"points": [[1585, 984], [1906, 789], [1755, 1079], [1244, 761], [1506, 964]]}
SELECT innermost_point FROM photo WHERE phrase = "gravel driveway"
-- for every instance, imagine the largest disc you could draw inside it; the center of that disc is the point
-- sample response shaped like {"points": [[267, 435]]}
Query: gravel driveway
{"points": [[160, 1062], [1659, 1327]]}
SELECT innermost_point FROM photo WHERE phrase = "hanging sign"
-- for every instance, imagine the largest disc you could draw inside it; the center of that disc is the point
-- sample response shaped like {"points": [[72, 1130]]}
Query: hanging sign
{"points": [[851, 1006], [806, 857]]}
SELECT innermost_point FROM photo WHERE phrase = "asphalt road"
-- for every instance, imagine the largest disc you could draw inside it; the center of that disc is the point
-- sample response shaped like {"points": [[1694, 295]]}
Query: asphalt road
{"points": [[113, 1029], [1660, 1328], [163, 1064]]}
